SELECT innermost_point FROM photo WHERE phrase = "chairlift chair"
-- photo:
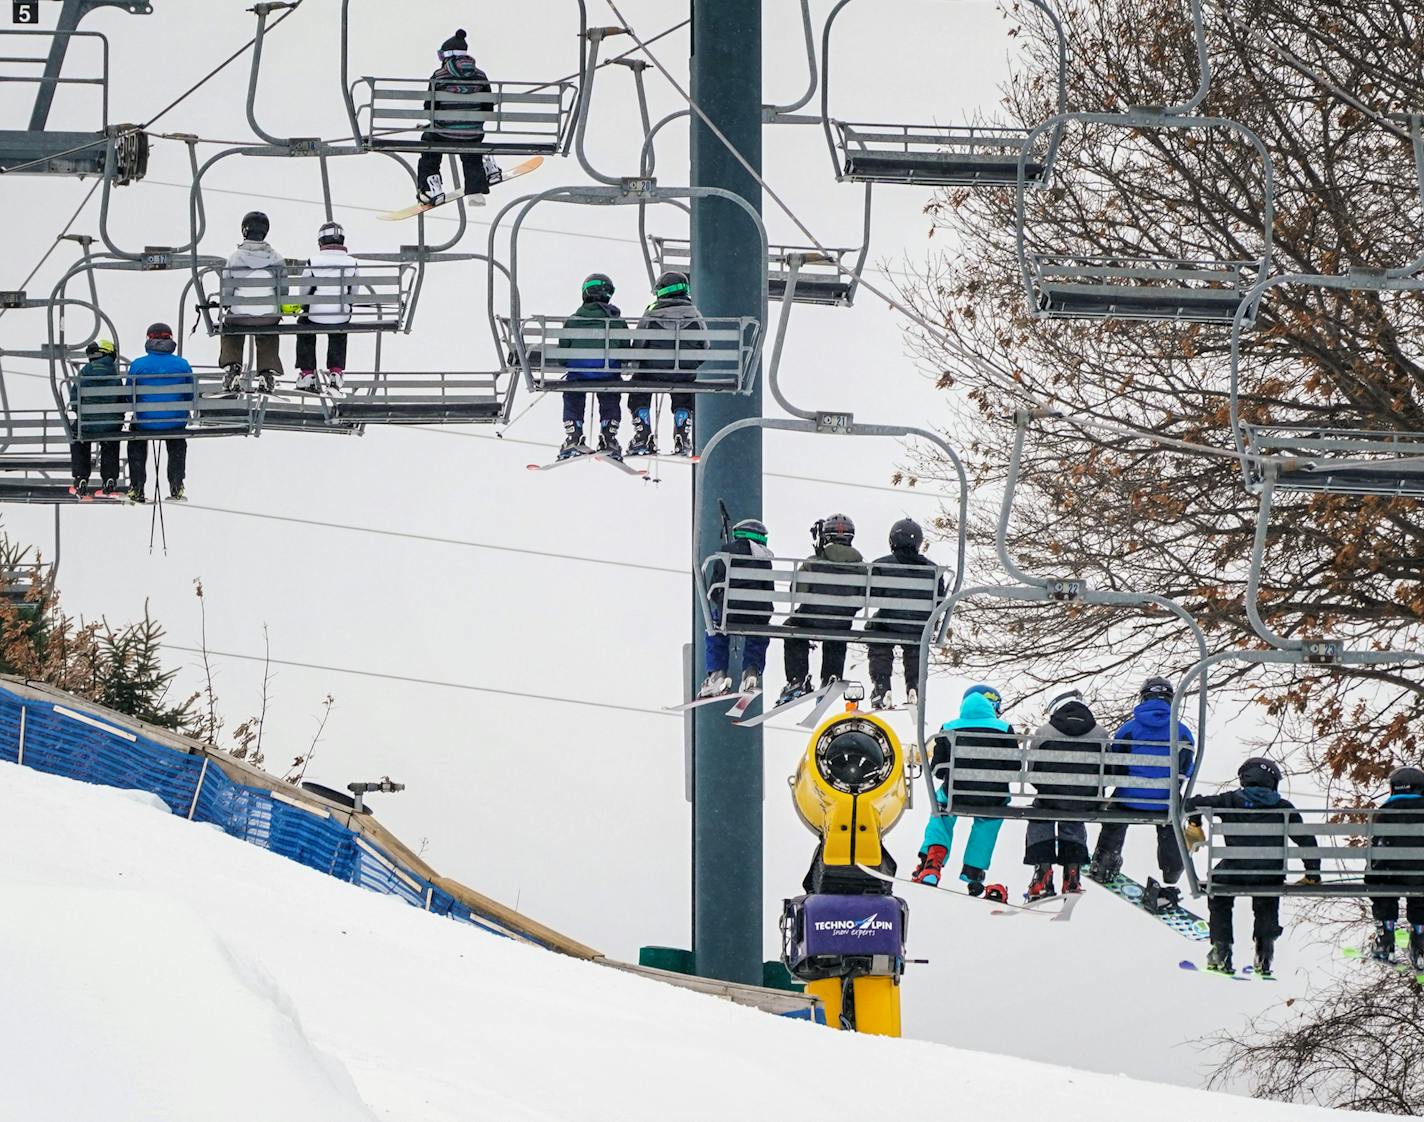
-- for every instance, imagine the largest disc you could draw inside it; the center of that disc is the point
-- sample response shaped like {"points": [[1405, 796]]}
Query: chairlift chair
{"points": [[1061, 284], [1017, 766], [970, 155]]}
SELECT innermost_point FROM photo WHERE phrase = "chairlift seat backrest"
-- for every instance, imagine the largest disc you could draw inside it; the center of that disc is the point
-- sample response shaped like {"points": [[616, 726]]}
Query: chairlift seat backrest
{"points": [[250, 301], [942, 156], [1139, 288], [517, 118]]}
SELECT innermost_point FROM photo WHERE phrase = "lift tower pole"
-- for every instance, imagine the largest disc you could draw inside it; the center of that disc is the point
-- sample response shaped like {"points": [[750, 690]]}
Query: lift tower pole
{"points": [[727, 276]]}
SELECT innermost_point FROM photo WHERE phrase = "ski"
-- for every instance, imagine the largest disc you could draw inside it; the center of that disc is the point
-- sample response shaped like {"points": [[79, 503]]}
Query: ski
{"points": [[1187, 924], [503, 176], [1405, 968], [1000, 907], [665, 459], [613, 461], [744, 701], [1187, 964], [90, 495], [733, 699], [817, 696], [584, 452], [826, 699]]}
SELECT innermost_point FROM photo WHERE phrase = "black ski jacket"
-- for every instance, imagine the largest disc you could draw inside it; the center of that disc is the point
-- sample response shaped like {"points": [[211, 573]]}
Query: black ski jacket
{"points": [[1399, 810], [1254, 804], [752, 612], [1072, 728], [900, 564]]}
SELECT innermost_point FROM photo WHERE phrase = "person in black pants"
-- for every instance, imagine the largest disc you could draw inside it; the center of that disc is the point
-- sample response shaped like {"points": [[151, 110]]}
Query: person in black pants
{"points": [[455, 90], [673, 311], [1404, 807], [834, 554], [904, 561], [1257, 800], [96, 415]]}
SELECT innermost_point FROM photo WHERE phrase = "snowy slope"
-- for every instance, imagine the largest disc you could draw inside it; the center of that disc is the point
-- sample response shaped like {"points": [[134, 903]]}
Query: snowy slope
{"points": [[156, 970]]}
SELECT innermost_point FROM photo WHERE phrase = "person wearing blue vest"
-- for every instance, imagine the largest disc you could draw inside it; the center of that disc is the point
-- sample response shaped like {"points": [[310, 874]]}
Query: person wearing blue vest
{"points": [[163, 393], [978, 724], [1147, 738]]}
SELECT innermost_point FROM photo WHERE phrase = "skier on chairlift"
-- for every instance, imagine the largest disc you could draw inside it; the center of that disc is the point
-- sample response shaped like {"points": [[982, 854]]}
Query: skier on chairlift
{"points": [[979, 724], [597, 314], [1252, 802], [327, 287], [673, 311], [834, 554], [1071, 727], [164, 391], [255, 276], [1404, 807], [99, 373], [904, 560], [1146, 736], [746, 539], [455, 105]]}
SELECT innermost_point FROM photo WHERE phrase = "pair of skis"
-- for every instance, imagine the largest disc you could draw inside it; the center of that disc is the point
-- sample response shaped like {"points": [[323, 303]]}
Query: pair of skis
{"points": [[738, 703], [90, 495], [1401, 940], [586, 453], [1039, 907]]}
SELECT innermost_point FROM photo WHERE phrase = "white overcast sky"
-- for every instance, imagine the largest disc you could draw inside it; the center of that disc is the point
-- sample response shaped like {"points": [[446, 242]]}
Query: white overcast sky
{"points": [[574, 813]]}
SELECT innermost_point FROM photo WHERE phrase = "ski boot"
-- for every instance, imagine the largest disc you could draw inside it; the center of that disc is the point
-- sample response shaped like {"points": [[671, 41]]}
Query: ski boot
{"points": [[1383, 949], [178, 495], [608, 440], [715, 684], [1072, 880], [1416, 947], [307, 382], [931, 865], [109, 487], [336, 380], [1265, 952], [1104, 866], [792, 690], [433, 192], [1041, 887], [644, 442], [880, 696], [80, 487], [1158, 897], [912, 699], [135, 496], [682, 440], [573, 444], [266, 381], [751, 681], [232, 378], [973, 878], [1218, 959]]}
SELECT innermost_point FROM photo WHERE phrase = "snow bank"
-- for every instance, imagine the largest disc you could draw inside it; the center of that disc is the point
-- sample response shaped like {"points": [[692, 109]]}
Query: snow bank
{"points": [[154, 970]]}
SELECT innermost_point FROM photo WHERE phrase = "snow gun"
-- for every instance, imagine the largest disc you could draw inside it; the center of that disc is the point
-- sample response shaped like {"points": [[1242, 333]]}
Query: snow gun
{"points": [[846, 938]]}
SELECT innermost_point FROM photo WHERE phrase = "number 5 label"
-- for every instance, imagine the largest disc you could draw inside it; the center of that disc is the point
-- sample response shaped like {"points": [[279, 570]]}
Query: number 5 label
{"points": [[25, 11]]}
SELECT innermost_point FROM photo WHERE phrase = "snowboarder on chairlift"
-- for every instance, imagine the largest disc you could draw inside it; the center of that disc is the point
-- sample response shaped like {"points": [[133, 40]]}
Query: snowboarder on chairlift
{"points": [[1147, 736], [673, 311], [328, 288], [161, 378], [746, 539], [978, 724], [1253, 801], [600, 315], [905, 559], [834, 554], [101, 372], [459, 91], [255, 277], [1071, 727], [1404, 807]]}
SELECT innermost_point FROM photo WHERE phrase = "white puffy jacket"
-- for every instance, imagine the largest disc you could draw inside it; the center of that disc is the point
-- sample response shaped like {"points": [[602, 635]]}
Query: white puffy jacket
{"points": [[329, 298], [254, 270]]}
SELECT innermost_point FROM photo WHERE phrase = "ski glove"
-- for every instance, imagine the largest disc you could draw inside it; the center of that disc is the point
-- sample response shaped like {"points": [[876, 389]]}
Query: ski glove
{"points": [[1196, 836], [1309, 878], [291, 309]]}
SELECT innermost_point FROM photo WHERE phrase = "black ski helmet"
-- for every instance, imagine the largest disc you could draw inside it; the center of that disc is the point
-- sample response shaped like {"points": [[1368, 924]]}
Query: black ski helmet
{"points": [[159, 331], [598, 287], [1259, 772], [906, 535], [1406, 781], [1156, 687], [837, 528], [255, 225], [331, 233], [750, 529], [672, 283]]}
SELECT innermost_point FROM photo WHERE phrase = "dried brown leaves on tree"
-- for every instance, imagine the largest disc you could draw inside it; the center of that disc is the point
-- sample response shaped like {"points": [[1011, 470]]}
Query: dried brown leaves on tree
{"points": [[1123, 513]]}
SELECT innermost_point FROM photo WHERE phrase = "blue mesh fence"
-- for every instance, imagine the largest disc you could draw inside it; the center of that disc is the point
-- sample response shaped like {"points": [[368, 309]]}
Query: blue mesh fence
{"points": [[71, 743]]}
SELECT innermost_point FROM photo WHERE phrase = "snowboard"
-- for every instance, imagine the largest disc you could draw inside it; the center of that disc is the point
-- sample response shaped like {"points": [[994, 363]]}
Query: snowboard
{"points": [[823, 699], [504, 176], [999, 908], [1184, 923]]}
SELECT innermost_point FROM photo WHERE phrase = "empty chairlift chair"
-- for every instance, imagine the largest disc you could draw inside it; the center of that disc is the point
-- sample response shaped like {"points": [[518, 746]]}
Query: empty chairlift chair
{"points": [[1132, 283], [829, 279], [939, 155]]}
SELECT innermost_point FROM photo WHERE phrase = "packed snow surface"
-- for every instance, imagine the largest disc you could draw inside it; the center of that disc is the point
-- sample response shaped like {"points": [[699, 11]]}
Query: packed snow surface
{"points": [[155, 970]]}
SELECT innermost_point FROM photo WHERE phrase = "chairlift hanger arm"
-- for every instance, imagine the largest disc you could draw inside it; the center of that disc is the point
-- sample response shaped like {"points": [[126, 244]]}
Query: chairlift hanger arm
{"points": [[772, 113]]}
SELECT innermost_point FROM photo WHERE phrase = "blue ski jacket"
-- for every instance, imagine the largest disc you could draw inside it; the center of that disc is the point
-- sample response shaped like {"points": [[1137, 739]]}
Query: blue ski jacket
{"points": [[161, 377], [1147, 735]]}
